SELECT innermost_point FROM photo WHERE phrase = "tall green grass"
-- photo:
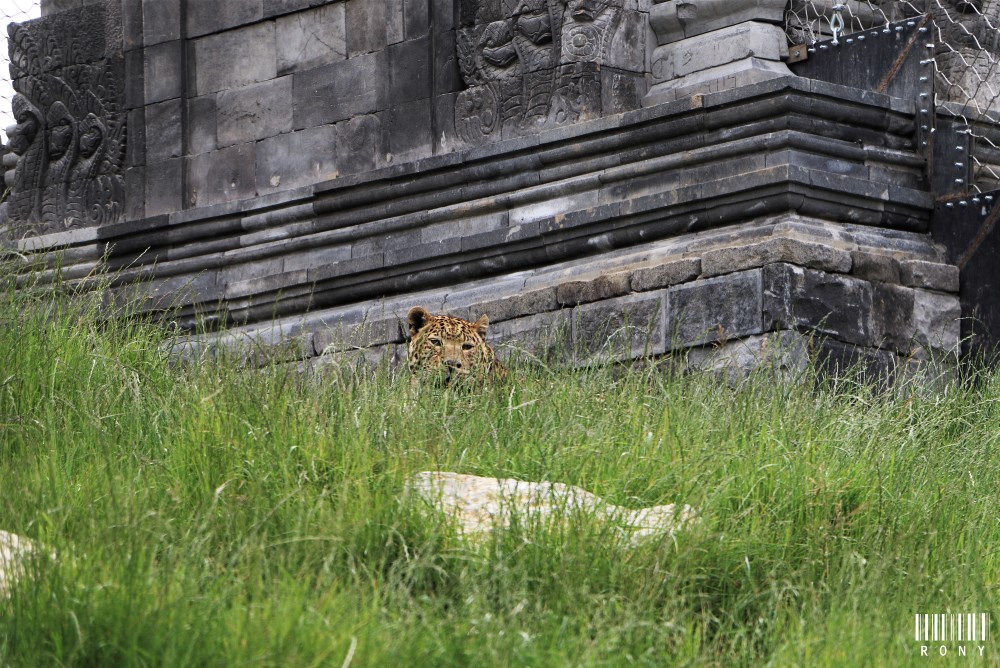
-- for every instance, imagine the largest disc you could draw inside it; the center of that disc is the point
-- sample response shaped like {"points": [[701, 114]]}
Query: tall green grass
{"points": [[205, 514]]}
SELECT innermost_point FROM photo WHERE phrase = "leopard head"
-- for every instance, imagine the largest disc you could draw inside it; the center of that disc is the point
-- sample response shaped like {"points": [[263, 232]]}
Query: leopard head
{"points": [[448, 348]]}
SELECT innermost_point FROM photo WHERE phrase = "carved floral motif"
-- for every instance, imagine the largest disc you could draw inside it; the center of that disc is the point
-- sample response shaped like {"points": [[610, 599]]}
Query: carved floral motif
{"points": [[69, 140]]}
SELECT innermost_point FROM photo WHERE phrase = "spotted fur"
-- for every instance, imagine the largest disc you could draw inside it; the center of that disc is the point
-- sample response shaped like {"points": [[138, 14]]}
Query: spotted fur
{"points": [[448, 348]]}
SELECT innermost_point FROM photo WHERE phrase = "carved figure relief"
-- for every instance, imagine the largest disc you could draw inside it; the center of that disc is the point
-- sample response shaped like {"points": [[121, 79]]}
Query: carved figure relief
{"points": [[69, 140], [531, 64]]}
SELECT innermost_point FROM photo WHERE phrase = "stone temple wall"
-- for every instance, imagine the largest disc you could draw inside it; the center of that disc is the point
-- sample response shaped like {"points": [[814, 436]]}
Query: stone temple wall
{"points": [[615, 178]]}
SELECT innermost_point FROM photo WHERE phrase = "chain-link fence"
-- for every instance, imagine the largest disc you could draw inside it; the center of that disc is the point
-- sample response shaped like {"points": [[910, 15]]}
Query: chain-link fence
{"points": [[11, 11]]}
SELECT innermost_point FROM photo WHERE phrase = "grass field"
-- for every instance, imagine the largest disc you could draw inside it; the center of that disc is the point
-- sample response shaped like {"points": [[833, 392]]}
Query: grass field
{"points": [[205, 515]]}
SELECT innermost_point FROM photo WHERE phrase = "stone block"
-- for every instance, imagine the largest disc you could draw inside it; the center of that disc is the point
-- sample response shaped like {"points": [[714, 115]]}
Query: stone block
{"points": [[408, 131], [804, 299], [395, 26], [627, 50], [135, 193], [602, 287], [836, 358], [366, 26], [892, 316], [715, 309], [161, 21], [416, 17], [444, 14], [794, 251], [132, 32], [666, 274], [409, 71], [164, 123], [338, 91], [512, 306], [207, 17], [874, 267], [135, 79], [201, 124], [621, 91], [254, 112], [447, 78], [297, 159], [545, 336], [235, 58], [136, 132], [163, 71], [675, 20], [278, 7], [784, 353], [622, 328], [929, 275], [221, 176], [312, 38], [756, 40], [164, 187], [359, 144], [937, 320]]}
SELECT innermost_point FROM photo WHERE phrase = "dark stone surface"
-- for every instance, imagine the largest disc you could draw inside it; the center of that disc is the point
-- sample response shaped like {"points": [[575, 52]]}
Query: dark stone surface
{"points": [[665, 275], [338, 91], [416, 18], [311, 38], [620, 328], [161, 21], [222, 175], [409, 71], [254, 112], [602, 287], [875, 267], [135, 79], [715, 309], [163, 130], [163, 71], [359, 144], [408, 130], [277, 7], [207, 17], [296, 158], [234, 58], [132, 32], [201, 121], [366, 27], [164, 187]]}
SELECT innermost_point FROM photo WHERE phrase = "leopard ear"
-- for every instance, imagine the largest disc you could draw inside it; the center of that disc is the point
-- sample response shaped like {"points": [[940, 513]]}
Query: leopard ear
{"points": [[481, 325], [417, 317]]}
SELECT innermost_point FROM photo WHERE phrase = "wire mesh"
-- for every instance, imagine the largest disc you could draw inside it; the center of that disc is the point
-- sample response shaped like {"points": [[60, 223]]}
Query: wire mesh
{"points": [[11, 11]]}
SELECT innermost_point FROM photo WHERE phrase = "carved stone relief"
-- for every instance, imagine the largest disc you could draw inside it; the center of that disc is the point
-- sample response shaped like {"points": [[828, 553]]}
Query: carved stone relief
{"points": [[533, 64], [67, 150]]}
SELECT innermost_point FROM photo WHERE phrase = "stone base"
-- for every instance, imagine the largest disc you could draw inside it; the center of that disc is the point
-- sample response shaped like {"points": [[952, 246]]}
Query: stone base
{"points": [[715, 80]]}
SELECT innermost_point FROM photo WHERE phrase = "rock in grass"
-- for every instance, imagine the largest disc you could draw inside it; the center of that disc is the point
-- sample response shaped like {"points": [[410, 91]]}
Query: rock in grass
{"points": [[481, 504], [14, 550]]}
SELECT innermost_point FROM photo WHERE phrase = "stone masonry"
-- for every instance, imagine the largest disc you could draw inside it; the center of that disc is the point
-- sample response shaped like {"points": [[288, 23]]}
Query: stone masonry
{"points": [[606, 179]]}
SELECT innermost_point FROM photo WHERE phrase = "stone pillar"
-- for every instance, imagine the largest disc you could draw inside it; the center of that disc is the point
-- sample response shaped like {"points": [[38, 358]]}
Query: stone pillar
{"points": [[706, 46]]}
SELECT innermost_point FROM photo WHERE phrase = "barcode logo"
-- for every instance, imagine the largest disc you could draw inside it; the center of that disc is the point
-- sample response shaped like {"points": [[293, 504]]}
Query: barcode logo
{"points": [[952, 627]]}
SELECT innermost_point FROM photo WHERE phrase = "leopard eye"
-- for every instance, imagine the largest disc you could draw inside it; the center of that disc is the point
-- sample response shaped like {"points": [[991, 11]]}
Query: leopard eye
{"points": [[467, 346], [436, 341]]}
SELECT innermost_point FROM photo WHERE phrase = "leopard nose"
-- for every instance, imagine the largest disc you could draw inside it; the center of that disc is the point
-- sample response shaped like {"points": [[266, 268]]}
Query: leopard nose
{"points": [[454, 364]]}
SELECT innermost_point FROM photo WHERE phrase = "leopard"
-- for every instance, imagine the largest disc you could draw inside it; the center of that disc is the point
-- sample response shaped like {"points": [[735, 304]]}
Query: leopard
{"points": [[444, 349]]}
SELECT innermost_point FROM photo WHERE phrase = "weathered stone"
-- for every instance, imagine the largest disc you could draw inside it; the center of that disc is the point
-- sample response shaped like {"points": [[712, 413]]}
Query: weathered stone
{"points": [[201, 124], [163, 130], [513, 306], [164, 187], [296, 159], [235, 58], [161, 21], [804, 299], [892, 316], [221, 176], [481, 505], [874, 267], [602, 287], [936, 320], [784, 353], [930, 275], [254, 112], [727, 45], [338, 91], [545, 336], [163, 71], [665, 275], [622, 328], [366, 23], [794, 251], [675, 20], [205, 17], [359, 144], [408, 130], [409, 70], [715, 309], [868, 364], [276, 7], [310, 39]]}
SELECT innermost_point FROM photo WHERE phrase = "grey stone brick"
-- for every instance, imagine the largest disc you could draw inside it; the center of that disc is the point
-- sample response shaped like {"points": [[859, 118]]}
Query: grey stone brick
{"points": [[338, 91], [936, 320], [409, 71], [135, 193], [715, 309], [930, 275], [136, 132], [206, 17], [444, 15], [311, 38], [164, 187], [416, 18], [665, 275], [277, 7], [221, 176], [235, 58], [395, 30], [602, 287], [408, 131], [201, 124], [366, 26], [163, 130], [513, 306], [447, 78], [161, 21], [359, 144], [254, 112], [874, 267], [804, 299], [794, 251], [135, 79], [547, 336], [621, 328], [163, 71], [132, 32], [892, 316], [296, 159]]}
